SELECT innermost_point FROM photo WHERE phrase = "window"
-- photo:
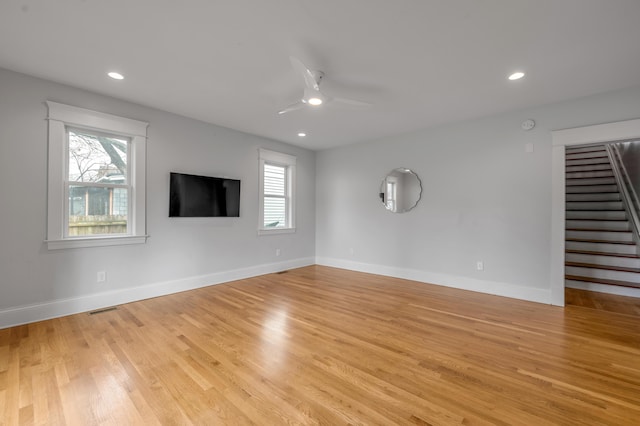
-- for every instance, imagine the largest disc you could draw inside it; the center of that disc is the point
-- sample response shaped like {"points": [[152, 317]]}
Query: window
{"points": [[97, 183], [391, 193], [96, 189], [277, 177]]}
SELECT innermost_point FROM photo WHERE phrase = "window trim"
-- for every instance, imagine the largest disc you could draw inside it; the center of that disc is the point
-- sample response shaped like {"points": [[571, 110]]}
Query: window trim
{"points": [[60, 118], [281, 160]]}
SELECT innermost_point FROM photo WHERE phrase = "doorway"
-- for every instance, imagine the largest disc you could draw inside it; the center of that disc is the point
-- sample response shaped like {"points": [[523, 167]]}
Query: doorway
{"points": [[561, 139]]}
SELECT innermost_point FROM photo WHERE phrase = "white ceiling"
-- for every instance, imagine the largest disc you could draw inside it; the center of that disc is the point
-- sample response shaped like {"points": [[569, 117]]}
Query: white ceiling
{"points": [[420, 62]]}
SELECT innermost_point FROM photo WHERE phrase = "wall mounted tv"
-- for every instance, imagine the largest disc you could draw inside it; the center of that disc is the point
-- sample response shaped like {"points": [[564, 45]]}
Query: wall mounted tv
{"points": [[203, 196]]}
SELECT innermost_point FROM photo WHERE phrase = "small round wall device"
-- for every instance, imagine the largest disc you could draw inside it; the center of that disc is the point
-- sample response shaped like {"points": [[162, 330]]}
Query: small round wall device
{"points": [[528, 124]]}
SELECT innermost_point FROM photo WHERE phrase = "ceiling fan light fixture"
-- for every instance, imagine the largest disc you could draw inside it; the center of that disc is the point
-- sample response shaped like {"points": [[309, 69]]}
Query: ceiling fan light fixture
{"points": [[516, 76], [312, 95], [302, 134]]}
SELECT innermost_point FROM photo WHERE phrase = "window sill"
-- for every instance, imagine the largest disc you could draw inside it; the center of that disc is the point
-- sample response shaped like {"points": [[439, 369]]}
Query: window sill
{"points": [[274, 231], [95, 242]]}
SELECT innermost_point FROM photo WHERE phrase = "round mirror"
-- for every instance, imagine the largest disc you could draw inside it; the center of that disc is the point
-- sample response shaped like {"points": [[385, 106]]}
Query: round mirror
{"points": [[400, 190]]}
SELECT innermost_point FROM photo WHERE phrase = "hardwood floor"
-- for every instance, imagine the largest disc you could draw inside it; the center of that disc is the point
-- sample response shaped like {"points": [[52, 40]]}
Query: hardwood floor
{"points": [[603, 301], [326, 346]]}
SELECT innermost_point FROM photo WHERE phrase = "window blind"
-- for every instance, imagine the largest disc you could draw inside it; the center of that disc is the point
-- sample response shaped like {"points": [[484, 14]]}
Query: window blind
{"points": [[275, 197]]}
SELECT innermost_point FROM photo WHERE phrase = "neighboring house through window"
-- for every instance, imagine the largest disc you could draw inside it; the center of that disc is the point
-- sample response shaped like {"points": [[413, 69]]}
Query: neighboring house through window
{"points": [[96, 189], [277, 178]]}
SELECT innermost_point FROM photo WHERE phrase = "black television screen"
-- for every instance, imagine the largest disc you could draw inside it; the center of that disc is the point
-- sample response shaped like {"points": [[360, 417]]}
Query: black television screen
{"points": [[203, 196]]}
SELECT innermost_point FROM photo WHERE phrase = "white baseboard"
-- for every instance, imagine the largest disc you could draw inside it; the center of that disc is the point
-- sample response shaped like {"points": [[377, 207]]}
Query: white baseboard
{"points": [[603, 288], [463, 283], [62, 307]]}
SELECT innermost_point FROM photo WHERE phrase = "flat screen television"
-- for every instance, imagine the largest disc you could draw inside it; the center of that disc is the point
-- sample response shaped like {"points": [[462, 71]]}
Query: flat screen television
{"points": [[203, 196]]}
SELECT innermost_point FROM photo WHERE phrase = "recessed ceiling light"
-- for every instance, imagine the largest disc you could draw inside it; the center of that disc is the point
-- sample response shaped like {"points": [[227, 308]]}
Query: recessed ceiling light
{"points": [[516, 75], [115, 75], [315, 101], [302, 134]]}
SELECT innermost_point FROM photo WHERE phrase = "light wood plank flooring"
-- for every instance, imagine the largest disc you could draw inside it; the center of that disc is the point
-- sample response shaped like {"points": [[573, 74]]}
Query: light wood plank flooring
{"points": [[319, 345]]}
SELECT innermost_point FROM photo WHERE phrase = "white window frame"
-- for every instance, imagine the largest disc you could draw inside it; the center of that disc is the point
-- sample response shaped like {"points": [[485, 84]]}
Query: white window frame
{"points": [[61, 117], [289, 162]]}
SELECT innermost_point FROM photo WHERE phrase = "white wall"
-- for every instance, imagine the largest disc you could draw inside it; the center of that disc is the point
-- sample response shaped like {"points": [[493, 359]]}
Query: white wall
{"points": [[484, 199], [181, 253]]}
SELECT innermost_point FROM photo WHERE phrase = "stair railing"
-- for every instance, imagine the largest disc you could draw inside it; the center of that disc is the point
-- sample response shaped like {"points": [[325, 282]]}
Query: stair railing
{"points": [[627, 190]]}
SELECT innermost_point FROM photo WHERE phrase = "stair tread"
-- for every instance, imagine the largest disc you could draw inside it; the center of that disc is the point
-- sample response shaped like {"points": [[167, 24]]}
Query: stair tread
{"points": [[605, 267], [582, 240], [592, 154], [598, 198], [594, 216], [588, 177], [595, 210], [611, 187], [585, 161], [602, 281], [597, 230], [586, 168], [586, 148], [603, 253], [584, 182], [586, 186], [600, 193], [597, 193], [598, 220]]}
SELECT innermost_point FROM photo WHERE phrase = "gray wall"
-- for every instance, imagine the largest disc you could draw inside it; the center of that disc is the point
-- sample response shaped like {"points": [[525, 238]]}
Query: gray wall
{"points": [[179, 250], [484, 199]]}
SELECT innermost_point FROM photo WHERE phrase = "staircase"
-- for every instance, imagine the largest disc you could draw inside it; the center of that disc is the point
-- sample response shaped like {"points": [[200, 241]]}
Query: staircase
{"points": [[600, 247]]}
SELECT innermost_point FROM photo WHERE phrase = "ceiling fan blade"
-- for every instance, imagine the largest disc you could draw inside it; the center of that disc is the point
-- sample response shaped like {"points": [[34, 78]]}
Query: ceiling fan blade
{"points": [[292, 107], [308, 75], [350, 102]]}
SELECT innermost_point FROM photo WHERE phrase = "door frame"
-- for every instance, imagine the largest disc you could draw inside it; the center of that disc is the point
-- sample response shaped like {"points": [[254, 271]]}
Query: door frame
{"points": [[600, 133]]}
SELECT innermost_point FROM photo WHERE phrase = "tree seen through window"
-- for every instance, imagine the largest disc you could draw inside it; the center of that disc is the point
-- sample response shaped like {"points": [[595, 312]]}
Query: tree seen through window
{"points": [[97, 183]]}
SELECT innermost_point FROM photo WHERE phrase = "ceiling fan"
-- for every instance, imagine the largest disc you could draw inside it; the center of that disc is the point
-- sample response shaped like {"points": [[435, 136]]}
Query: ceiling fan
{"points": [[312, 96]]}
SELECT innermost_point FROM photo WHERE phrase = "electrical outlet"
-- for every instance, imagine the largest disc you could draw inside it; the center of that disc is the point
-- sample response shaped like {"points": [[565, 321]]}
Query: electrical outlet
{"points": [[351, 251], [102, 276], [480, 265], [277, 252]]}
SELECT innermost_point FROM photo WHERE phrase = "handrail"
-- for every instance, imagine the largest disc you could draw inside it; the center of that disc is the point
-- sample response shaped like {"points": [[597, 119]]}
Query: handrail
{"points": [[629, 196]]}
